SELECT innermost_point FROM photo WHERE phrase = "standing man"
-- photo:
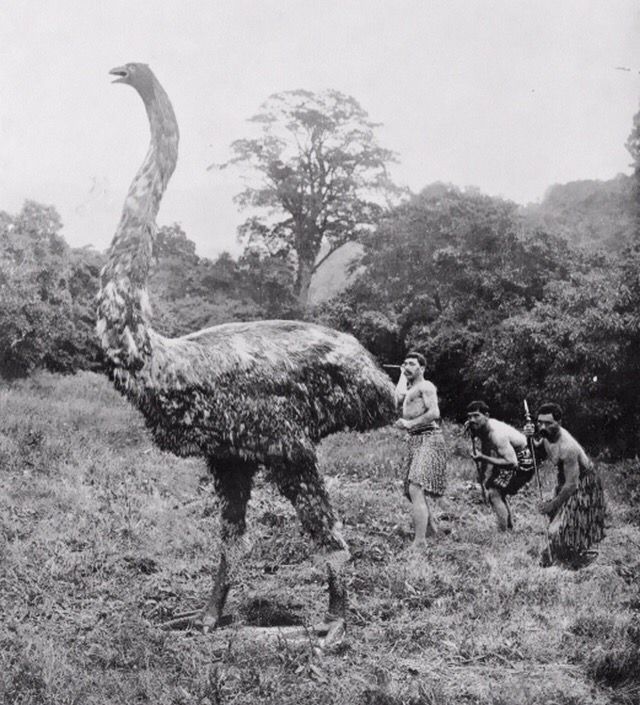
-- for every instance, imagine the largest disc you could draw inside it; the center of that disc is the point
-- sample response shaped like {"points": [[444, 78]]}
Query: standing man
{"points": [[427, 461], [577, 509], [506, 457]]}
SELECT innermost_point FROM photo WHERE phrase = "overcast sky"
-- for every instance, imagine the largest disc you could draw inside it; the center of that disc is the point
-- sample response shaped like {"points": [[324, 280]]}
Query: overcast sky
{"points": [[510, 96]]}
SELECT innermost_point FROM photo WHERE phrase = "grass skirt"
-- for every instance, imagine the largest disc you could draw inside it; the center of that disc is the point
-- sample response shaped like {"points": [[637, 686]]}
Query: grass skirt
{"points": [[580, 521], [427, 461]]}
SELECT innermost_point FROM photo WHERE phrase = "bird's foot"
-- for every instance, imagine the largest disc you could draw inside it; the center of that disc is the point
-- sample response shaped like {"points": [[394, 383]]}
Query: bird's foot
{"points": [[546, 559], [198, 620], [432, 530], [337, 559], [331, 632]]}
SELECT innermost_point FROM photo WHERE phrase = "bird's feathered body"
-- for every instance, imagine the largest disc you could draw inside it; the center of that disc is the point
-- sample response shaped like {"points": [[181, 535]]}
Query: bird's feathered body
{"points": [[240, 394], [256, 390]]}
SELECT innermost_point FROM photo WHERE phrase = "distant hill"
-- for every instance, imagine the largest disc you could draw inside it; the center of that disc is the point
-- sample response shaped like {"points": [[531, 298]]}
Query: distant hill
{"points": [[332, 277], [590, 213]]}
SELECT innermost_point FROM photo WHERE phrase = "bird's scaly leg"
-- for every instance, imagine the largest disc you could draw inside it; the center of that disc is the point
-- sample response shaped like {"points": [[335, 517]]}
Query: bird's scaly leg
{"points": [[303, 486], [233, 480]]}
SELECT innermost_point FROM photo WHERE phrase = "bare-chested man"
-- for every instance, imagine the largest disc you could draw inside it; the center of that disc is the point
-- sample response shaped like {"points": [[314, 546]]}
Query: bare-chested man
{"points": [[505, 456], [426, 467], [577, 510]]}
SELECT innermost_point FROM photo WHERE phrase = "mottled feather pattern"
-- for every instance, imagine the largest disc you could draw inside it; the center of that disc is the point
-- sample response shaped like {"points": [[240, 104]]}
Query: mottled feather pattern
{"points": [[259, 389], [123, 309]]}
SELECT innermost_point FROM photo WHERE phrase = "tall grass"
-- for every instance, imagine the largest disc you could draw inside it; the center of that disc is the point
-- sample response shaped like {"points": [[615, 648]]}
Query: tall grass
{"points": [[102, 537]]}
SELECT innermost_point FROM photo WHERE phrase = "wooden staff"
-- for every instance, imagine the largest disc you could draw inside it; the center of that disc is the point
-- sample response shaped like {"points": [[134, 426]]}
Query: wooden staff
{"points": [[479, 469], [528, 420]]}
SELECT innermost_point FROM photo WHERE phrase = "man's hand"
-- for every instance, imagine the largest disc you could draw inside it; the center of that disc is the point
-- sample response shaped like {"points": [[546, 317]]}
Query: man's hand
{"points": [[401, 423], [477, 456], [529, 429], [545, 507]]}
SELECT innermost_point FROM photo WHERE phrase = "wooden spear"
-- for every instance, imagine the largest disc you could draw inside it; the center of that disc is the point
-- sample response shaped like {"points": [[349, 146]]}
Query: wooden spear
{"points": [[528, 420]]}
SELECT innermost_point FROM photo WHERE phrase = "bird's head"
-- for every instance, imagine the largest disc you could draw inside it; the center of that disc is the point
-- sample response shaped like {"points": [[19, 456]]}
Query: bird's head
{"points": [[139, 76]]}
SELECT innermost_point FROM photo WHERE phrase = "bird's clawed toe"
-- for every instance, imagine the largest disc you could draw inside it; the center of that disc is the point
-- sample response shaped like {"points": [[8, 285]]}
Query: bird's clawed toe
{"points": [[197, 620], [185, 620], [334, 635]]}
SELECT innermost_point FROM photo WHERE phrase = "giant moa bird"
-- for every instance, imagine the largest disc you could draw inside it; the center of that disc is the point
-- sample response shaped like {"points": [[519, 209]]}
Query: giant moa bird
{"points": [[242, 395]]}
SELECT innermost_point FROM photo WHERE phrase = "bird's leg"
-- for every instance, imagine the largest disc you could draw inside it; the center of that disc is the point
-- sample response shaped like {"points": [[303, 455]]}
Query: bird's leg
{"points": [[233, 482], [303, 486], [231, 553]]}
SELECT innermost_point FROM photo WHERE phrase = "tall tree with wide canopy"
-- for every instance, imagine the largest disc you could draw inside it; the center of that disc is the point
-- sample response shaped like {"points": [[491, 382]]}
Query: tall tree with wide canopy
{"points": [[320, 179]]}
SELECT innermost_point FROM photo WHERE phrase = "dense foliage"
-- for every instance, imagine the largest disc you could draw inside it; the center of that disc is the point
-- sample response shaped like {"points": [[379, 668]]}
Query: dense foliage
{"points": [[46, 292], [189, 293]]}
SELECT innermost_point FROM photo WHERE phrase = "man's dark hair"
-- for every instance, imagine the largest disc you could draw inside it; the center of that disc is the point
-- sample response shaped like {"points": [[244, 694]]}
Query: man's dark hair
{"points": [[551, 408], [416, 356], [480, 406]]}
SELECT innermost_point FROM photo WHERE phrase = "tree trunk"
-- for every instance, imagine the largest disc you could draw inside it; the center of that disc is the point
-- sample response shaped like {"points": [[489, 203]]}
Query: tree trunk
{"points": [[303, 282]]}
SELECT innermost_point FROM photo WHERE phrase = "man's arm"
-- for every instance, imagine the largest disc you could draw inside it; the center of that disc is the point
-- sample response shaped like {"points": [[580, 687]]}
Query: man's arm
{"points": [[505, 454], [431, 411], [401, 390], [537, 444], [488, 472], [571, 480]]}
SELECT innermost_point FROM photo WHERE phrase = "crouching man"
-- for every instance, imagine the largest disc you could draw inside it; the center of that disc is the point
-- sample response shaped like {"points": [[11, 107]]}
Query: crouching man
{"points": [[504, 457], [577, 510]]}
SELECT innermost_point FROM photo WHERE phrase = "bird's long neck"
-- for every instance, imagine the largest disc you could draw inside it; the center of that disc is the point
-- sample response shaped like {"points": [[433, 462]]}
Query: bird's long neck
{"points": [[123, 308]]}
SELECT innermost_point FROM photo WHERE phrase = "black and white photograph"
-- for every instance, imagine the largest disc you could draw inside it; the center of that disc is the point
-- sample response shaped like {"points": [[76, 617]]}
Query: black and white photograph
{"points": [[320, 352]]}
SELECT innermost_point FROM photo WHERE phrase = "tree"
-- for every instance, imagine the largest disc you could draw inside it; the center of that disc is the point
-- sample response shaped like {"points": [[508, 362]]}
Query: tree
{"points": [[268, 281], [569, 348], [633, 147], [189, 292], [319, 172], [440, 273], [47, 314]]}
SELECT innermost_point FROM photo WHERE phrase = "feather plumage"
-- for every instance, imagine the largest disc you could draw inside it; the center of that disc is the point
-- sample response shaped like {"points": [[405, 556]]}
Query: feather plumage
{"points": [[253, 388]]}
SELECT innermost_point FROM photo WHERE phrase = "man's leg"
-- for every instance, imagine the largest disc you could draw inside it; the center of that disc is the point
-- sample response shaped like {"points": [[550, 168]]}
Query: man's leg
{"points": [[422, 516], [500, 508], [432, 525]]}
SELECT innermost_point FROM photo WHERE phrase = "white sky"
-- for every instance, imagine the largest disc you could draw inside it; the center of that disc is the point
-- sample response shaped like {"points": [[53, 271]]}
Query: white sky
{"points": [[507, 95]]}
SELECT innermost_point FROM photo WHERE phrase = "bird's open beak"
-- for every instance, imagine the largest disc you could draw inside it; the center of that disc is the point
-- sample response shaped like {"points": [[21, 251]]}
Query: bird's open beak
{"points": [[121, 72]]}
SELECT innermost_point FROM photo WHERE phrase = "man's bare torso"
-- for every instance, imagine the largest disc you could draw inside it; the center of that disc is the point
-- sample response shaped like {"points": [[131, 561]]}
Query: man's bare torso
{"points": [[566, 448], [498, 433], [421, 397]]}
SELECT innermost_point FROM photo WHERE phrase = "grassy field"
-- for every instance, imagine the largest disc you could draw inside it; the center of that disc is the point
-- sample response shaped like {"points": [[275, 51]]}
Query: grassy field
{"points": [[102, 537]]}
